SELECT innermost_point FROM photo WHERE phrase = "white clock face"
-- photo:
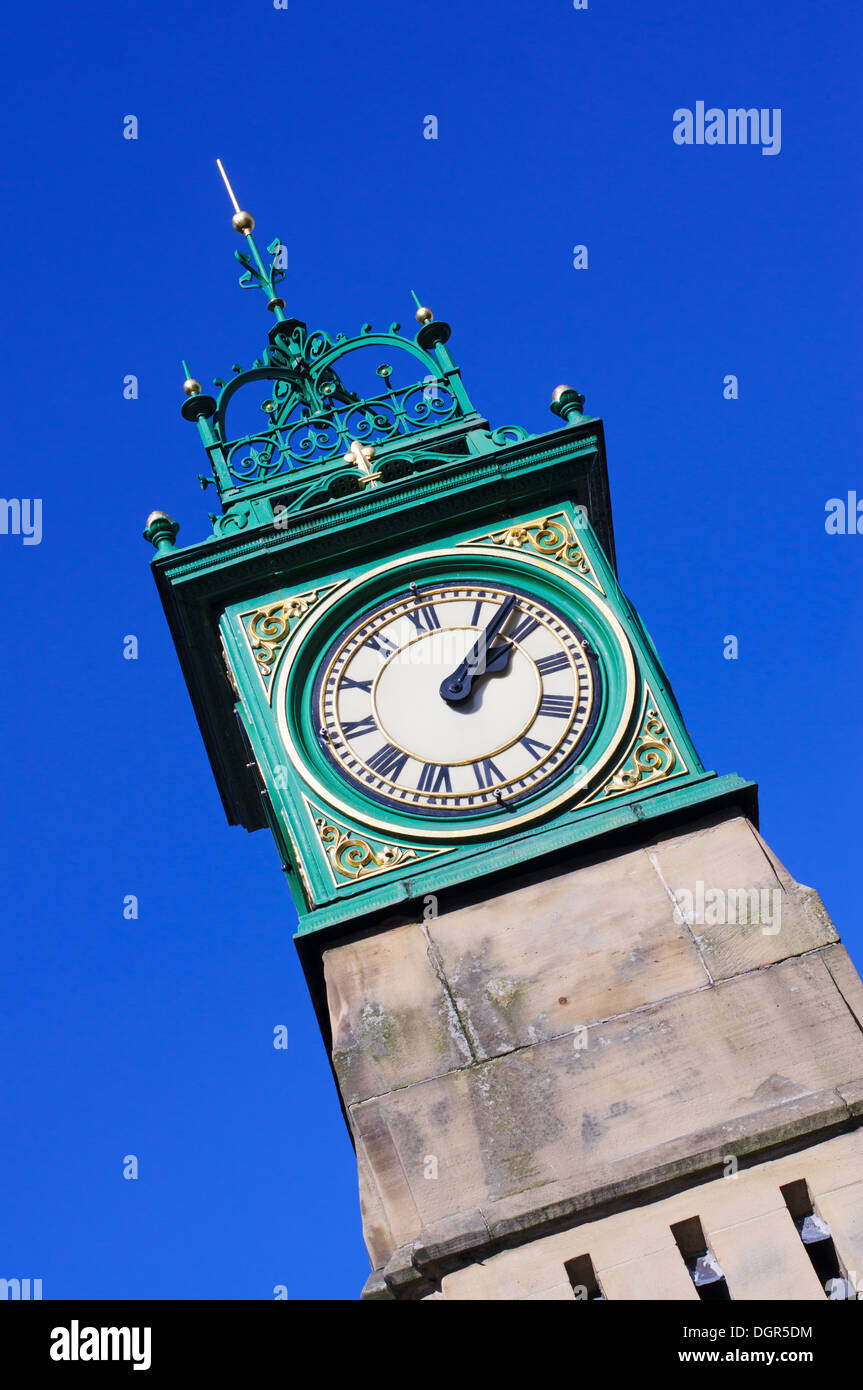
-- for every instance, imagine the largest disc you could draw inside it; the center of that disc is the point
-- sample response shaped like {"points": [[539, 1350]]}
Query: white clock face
{"points": [[456, 698]]}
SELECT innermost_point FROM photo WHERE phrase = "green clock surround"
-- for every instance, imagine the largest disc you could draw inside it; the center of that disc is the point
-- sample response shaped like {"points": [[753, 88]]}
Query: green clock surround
{"points": [[350, 845], [294, 708]]}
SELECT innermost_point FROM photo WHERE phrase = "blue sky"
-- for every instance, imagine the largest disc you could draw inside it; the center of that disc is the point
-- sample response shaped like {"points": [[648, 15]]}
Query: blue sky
{"points": [[154, 1037]]}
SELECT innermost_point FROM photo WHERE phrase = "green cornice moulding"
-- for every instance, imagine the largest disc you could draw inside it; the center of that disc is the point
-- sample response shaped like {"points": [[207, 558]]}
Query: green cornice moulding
{"points": [[619, 824]]}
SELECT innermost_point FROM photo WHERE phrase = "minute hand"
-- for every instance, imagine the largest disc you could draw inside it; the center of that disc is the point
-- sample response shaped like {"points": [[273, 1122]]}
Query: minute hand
{"points": [[457, 686]]}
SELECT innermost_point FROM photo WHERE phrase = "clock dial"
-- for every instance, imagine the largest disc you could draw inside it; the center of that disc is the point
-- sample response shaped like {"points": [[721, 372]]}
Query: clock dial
{"points": [[456, 698]]}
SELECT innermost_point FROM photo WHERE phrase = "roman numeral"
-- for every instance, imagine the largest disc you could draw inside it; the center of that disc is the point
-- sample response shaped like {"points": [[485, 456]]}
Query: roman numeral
{"points": [[387, 761], [381, 644], [424, 618], [486, 773], [434, 777], [355, 728], [524, 629], [557, 706], [547, 664], [534, 747], [348, 683]]}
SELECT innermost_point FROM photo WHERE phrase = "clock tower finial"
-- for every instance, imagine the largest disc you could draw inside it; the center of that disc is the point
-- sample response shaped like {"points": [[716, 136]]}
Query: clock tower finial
{"points": [[424, 315], [255, 270]]}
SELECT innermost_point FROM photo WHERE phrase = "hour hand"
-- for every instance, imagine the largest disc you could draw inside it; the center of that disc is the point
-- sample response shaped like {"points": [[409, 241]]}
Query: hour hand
{"points": [[498, 658], [457, 687]]}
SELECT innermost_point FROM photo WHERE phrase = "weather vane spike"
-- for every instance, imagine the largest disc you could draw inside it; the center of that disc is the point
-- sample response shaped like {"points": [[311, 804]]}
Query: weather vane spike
{"points": [[242, 222], [257, 273], [231, 193]]}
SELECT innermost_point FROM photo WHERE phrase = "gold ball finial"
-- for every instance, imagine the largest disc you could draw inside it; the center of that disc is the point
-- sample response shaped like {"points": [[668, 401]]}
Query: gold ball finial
{"points": [[161, 531], [567, 403], [191, 386], [424, 315], [243, 222]]}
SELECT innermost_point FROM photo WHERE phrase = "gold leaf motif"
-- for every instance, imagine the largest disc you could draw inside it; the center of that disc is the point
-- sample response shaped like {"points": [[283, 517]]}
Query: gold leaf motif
{"points": [[353, 857], [269, 628], [361, 455], [653, 758], [552, 537]]}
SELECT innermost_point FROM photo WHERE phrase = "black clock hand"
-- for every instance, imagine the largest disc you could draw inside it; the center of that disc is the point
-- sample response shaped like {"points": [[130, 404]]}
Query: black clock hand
{"points": [[457, 686]]}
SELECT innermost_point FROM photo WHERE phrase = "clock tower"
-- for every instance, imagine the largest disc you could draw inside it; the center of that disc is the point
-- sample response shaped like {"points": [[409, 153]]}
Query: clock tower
{"points": [[590, 1037]]}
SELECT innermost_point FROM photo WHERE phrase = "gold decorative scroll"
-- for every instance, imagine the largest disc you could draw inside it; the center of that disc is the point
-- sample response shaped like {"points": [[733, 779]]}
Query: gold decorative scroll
{"points": [[653, 757], [267, 629], [552, 537], [352, 856]]}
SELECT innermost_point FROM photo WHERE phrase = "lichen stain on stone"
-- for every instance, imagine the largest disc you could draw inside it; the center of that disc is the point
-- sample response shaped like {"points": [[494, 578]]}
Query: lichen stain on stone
{"points": [[414, 1138], [463, 1012], [541, 1030], [455, 1028], [374, 1030], [502, 992], [514, 1118], [634, 965], [653, 1031], [493, 999], [439, 1116], [592, 1129], [811, 904], [575, 1060], [343, 1061], [774, 1091]]}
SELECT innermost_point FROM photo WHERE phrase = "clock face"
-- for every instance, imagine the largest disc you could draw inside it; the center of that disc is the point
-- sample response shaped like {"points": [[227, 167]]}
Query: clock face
{"points": [[456, 698]]}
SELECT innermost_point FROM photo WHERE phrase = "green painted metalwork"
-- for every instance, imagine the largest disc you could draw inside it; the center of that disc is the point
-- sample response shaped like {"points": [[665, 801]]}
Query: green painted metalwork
{"points": [[313, 418], [340, 501]]}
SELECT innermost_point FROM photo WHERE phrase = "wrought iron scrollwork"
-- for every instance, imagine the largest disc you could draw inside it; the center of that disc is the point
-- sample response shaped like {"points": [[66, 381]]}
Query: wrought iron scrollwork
{"points": [[322, 437]]}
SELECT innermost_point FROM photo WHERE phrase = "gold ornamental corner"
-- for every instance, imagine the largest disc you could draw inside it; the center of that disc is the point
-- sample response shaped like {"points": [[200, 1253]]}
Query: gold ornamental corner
{"points": [[267, 629], [653, 757], [351, 856], [551, 537]]}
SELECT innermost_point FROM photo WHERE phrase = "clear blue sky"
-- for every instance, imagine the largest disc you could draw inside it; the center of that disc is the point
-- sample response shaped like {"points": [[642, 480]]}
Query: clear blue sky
{"points": [[154, 1037]]}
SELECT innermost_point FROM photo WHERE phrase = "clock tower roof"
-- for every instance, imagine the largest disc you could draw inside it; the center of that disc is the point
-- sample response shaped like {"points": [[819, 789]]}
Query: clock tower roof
{"points": [[318, 419]]}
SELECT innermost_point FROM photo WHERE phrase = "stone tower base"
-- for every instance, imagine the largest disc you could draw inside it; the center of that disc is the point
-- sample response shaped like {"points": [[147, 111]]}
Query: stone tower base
{"points": [[546, 1082], [746, 1222]]}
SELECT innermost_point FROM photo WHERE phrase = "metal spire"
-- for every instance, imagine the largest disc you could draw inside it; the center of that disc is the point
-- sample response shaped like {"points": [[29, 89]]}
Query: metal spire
{"points": [[244, 223]]}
